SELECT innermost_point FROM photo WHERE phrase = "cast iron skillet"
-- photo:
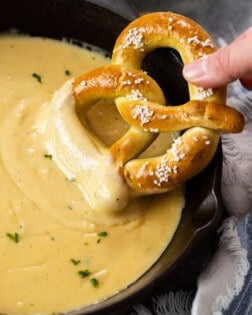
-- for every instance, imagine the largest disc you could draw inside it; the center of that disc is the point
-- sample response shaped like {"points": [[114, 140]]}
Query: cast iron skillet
{"points": [[97, 25]]}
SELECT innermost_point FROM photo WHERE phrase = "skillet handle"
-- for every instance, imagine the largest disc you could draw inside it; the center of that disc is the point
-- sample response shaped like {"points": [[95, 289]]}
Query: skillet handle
{"points": [[126, 9], [210, 210]]}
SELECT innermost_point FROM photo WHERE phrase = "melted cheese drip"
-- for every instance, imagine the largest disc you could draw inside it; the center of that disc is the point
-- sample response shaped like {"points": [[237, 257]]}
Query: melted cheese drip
{"points": [[47, 208], [82, 157]]}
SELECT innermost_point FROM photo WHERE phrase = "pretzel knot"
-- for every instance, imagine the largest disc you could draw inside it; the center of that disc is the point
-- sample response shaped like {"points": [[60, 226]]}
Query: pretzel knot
{"points": [[141, 103]]}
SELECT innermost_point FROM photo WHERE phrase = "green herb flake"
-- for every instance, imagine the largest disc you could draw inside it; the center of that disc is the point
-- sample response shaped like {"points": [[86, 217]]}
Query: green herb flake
{"points": [[94, 282], [67, 72], [75, 261], [13, 237], [102, 234], [37, 77], [48, 156], [84, 273]]}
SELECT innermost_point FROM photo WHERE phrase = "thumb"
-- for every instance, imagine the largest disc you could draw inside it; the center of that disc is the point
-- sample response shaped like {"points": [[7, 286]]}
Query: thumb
{"points": [[225, 65]]}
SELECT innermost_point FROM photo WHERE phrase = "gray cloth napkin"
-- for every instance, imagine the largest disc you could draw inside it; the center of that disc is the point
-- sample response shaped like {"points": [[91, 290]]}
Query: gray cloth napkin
{"points": [[223, 279], [125, 8]]}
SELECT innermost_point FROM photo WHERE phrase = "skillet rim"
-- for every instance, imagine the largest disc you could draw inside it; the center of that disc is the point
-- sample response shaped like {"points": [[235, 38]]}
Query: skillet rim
{"points": [[199, 231]]}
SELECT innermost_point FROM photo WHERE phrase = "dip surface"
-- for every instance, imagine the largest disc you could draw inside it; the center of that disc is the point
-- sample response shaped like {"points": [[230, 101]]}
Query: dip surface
{"points": [[54, 255]]}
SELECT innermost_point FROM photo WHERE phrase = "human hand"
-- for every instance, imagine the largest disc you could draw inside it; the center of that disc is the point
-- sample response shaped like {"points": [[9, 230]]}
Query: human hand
{"points": [[225, 65]]}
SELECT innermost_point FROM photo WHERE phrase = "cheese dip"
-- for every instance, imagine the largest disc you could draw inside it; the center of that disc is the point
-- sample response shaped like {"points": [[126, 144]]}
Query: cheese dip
{"points": [[56, 254]]}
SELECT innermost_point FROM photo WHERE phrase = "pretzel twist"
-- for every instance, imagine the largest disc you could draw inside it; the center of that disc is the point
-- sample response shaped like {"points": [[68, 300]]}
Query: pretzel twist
{"points": [[140, 101], [194, 150], [113, 82], [98, 170]]}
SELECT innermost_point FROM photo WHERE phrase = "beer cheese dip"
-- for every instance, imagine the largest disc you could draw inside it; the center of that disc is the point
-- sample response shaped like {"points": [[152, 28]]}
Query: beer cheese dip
{"points": [[56, 253]]}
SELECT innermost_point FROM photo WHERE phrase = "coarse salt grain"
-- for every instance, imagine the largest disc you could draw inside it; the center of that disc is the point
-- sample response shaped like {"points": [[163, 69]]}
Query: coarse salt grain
{"points": [[203, 93], [135, 95], [162, 173], [182, 23], [207, 43], [193, 39], [138, 80], [126, 82], [135, 81], [197, 41], [131, 74], [134, 38], [144, 113], [202, 55], [177, 155], [175, 169]]}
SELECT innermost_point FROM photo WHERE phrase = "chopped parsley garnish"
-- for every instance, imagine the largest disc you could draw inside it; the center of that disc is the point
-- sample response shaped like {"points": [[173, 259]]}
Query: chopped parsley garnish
{"points": [[84, 273], [102, 234], [75, 261], [67, 72], [48, 156], [37, 77], [13, 237], [94, 282]]}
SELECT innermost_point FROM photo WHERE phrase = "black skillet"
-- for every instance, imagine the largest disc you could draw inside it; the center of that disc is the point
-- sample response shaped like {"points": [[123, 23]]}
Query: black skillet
{"points": [[96, 22]]}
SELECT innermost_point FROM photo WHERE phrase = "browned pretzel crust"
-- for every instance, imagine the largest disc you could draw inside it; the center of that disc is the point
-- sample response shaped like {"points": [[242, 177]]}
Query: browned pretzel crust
{"points": [[153, 117], [188, 155], [141, 103], [204, 116], [194, 150], [112, 82]]}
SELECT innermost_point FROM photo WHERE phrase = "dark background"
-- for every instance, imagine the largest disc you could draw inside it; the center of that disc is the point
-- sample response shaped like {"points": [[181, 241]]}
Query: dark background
{"points": [[223, 19]]}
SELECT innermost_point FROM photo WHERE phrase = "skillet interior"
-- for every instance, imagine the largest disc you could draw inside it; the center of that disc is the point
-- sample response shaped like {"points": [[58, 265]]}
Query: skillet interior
{"points": [[85, 21]]}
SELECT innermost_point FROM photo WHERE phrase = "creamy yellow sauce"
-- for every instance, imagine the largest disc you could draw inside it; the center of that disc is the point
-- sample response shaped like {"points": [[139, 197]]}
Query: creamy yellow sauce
{"points": [[48, 232]]}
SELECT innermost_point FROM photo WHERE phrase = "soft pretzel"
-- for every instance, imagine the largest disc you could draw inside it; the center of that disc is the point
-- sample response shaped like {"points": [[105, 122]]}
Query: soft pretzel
{"points": [[193, 151], [141, 103], [79, 153]]}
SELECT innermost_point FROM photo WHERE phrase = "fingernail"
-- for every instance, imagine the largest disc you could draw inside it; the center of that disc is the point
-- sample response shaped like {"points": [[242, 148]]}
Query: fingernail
{"points": [[195, 70]]}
